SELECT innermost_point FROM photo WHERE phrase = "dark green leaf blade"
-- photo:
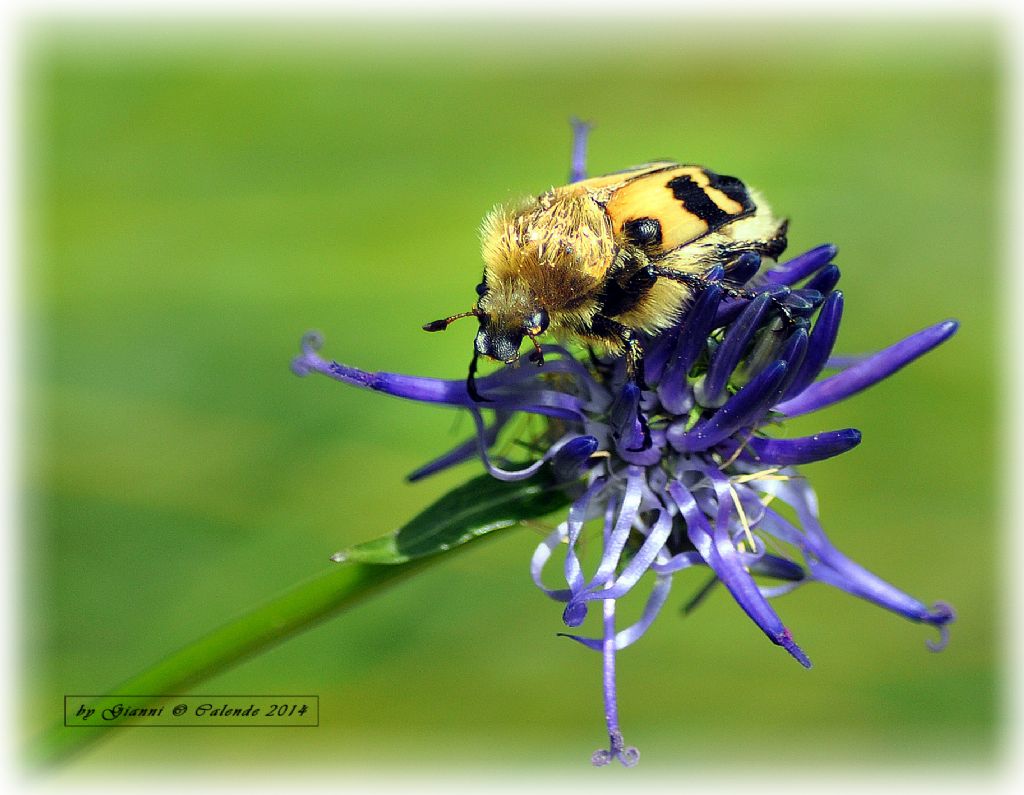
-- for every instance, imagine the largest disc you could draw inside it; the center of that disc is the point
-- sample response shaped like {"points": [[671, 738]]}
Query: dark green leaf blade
{"points": [[468, 512]]}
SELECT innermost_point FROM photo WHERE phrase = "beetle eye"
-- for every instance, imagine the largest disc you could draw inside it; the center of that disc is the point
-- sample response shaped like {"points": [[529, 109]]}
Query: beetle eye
{"points": [[538, 324], [481, 289]]}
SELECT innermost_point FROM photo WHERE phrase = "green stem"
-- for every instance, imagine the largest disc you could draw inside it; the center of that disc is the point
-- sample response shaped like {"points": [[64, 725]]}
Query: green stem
{"points": [[294, 611], [469, 513]]}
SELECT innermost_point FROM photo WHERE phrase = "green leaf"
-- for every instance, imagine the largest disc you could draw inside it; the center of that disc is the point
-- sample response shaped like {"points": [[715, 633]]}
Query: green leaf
{"points": [[470, 511]]}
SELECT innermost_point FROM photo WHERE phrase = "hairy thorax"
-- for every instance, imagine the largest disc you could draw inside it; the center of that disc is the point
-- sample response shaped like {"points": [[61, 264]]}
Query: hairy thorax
{"points": [[546, 253]]}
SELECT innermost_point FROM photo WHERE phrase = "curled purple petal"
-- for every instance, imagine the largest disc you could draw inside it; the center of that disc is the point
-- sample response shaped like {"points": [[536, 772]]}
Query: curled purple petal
{"points": [[827, 564], [678, 562], [805, 298], [505, 474], [657, 599], [801, 450], [631, 634], [941, 616], [580, 131], [535, 400], [819, 345], [824, 281], [841, 572], [802, 266], [425, 390], [577, 516], [673, 390], [868, 371], [717, 549], [710, 391], [793, 352], [575, 613], [803, 302], [740, 411], [571, 460], [541, 556], [638, 564], [615, 542], [628, 425], [742, 269]]}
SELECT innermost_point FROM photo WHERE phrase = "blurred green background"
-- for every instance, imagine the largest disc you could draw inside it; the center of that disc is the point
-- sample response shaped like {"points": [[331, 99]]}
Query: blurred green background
{"points": [[198, 196]]}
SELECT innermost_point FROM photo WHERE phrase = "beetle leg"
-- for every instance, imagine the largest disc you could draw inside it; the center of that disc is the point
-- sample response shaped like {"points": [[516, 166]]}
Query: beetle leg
{"points": [[606, 327], [471, 382], [696, 281], [537, 357], [603, 326]]}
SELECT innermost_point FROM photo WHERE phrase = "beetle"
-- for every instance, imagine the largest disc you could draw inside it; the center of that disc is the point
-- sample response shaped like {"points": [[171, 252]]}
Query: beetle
{"points": [[607, 259]]}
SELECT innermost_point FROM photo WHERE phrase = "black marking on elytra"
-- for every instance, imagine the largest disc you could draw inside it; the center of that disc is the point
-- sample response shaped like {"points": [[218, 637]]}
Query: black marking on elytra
{"points": [[696, 201], [643, 232], [734, 189]]}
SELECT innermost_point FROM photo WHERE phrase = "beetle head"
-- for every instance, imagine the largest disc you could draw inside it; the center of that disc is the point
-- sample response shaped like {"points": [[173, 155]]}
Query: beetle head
{"points": [[501, 333]]}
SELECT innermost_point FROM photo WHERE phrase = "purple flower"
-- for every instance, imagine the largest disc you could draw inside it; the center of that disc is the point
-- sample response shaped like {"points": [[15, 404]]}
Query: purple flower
{"points": [[689, 472]]}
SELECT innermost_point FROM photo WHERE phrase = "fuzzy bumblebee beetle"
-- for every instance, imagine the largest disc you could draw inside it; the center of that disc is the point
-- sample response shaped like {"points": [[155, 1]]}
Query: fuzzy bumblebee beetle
{"points": [[607, 259]]}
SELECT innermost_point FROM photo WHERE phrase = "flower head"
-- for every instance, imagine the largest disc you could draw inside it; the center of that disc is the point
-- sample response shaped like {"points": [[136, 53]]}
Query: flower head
{"points": [[690, 471]]}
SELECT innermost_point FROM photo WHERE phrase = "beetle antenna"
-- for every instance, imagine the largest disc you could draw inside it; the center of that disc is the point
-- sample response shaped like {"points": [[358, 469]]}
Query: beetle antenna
{"points": [[471, 381], [537, 357], [443, 323]]}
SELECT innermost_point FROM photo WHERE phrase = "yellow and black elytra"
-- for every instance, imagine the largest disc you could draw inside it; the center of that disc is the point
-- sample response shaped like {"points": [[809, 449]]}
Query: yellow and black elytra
{"points": [[606, 258]]}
